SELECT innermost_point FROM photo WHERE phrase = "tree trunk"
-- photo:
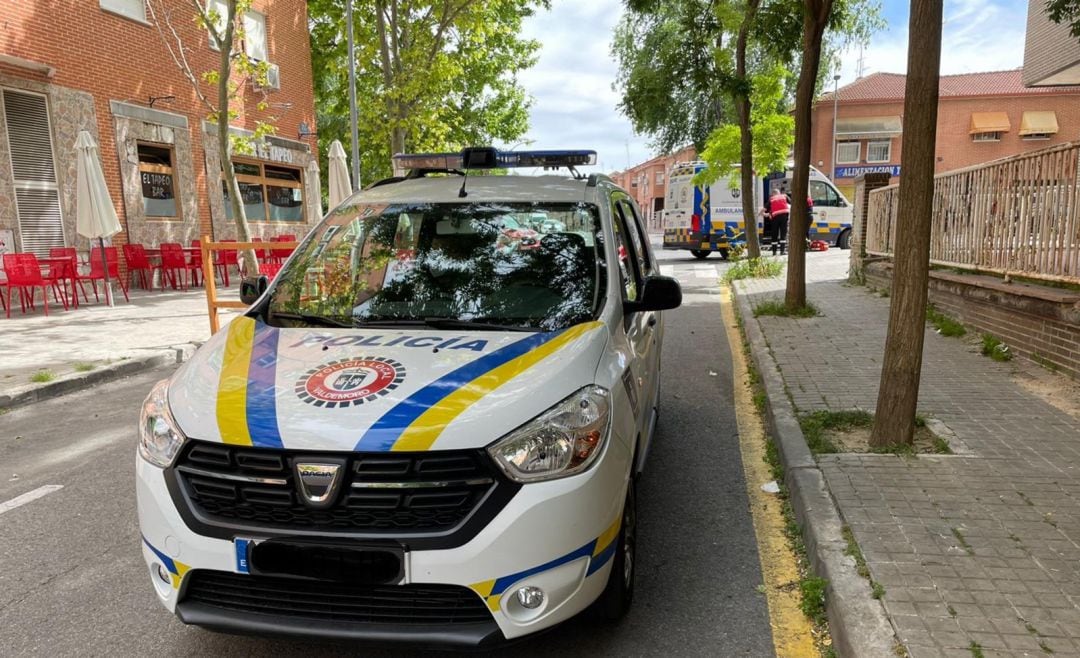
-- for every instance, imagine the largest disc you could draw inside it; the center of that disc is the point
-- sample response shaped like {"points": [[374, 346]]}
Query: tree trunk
{"points": [[898, 395], [815, 18], [243, 232], [742, 106]]}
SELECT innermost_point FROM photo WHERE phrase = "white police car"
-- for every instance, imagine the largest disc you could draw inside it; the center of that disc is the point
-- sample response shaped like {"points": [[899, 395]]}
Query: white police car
{"points": [[426, 429]]}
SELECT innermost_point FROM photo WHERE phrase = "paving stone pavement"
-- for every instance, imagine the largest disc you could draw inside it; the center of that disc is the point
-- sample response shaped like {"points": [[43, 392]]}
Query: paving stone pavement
{"points": [[980, 549]]}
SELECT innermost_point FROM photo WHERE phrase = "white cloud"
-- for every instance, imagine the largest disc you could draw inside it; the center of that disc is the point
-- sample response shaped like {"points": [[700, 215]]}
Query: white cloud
{"points": [[977, 36]]}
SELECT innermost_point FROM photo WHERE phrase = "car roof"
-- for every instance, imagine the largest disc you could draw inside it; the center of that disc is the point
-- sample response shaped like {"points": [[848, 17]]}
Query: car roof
{"points": [[445, 189]]}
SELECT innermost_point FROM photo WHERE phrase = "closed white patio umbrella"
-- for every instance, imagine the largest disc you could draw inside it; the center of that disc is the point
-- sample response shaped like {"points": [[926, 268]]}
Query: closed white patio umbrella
{"points": [[95, 215], [340, 187]]}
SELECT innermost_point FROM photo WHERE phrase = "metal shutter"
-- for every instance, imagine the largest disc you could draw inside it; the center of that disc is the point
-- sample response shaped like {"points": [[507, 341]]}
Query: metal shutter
{"points": [[40, 223]]}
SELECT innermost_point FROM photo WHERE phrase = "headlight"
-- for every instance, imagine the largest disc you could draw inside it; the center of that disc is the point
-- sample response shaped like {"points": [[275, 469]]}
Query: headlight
{"points": [[159, 437], [562, 441]]}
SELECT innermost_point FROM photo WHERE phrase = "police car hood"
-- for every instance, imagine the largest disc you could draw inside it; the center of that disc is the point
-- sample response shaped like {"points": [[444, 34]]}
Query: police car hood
{"points": [[376, 389]]}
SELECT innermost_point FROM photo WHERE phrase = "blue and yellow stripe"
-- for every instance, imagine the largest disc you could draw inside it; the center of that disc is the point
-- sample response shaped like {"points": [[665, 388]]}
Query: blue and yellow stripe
{"points": [[417, 421], [175, 568], [599, 551], [247, 399]]}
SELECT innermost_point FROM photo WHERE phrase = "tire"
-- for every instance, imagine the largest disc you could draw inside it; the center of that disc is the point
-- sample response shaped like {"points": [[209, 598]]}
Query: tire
{"points": [[723, 254], [844, 241], [700, 254], [618, 595]]}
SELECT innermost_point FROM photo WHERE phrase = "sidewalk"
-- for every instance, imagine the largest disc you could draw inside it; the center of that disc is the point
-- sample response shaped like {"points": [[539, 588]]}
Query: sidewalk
{"points": [[979, 554], [94, 337]]}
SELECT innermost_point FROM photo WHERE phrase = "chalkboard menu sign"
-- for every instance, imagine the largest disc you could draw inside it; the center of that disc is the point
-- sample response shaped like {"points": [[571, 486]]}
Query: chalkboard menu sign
{"points": [[157, 186]]}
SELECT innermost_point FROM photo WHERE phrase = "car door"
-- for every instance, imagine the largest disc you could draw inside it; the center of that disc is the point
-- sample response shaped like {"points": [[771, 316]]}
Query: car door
{"points": [[638, 378]]}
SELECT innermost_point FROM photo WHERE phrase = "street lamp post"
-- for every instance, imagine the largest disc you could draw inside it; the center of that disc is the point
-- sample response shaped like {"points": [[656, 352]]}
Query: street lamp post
{"points": [[835, 104], [352, 97]]}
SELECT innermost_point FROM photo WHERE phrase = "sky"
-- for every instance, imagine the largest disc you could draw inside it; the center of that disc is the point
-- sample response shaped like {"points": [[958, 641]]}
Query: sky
{"points": [[575, 107]]}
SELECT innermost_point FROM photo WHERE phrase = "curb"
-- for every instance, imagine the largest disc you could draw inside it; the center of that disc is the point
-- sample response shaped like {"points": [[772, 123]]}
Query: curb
{"points": [[857, 621], [77, 381]]}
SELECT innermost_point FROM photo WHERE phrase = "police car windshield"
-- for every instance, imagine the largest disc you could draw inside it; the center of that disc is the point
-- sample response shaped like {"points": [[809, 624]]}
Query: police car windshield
{"points": [[459, 262]]}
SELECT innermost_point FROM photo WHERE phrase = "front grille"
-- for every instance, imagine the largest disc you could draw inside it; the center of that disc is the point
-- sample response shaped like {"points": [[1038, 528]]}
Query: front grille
{"points": [[332, 601], [391, 494]]}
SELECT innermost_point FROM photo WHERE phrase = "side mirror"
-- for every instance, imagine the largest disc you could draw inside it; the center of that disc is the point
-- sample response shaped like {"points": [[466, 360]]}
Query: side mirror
{"points": [[659, 293], [252, 288]]}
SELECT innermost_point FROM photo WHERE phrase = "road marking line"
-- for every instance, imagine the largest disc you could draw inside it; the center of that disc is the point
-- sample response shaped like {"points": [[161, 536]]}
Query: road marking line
{"points": [[667, 270], [791, 630], [19, 501]]}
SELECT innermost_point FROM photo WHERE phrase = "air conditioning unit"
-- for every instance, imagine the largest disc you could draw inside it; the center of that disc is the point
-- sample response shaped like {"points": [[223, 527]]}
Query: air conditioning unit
{"points": [[273, 79]]}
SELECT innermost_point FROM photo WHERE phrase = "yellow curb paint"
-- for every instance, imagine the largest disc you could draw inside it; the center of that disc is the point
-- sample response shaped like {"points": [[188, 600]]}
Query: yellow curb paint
{"points": [[791, 630]]}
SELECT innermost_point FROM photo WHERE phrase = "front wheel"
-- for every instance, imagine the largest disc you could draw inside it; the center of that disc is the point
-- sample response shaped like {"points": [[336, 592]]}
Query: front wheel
{"points": [[618, 595], [844, 241], [700, 254], [723, 254]]}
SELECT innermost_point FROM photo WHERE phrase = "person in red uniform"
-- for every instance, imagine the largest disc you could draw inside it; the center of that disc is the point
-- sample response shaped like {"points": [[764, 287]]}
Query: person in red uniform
{"points": [[779, 210]]}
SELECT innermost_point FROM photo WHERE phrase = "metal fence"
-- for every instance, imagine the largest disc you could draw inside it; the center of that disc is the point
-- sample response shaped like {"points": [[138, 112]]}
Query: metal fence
{"points": [[1019, 216]]}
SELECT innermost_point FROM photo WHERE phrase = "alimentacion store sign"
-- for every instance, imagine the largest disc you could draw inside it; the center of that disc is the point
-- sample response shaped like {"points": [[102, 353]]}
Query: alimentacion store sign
{"points": [[852, 172]]}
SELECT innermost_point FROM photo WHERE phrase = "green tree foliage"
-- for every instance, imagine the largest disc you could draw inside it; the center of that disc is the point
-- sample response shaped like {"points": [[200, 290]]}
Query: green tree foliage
{"points": [[772, 127], [669, 70], [431, 74], [1065, 11]]}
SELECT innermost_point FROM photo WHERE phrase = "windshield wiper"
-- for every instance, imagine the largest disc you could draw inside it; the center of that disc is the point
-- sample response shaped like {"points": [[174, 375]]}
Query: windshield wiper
{"points": [[316, 320], [443, 323]]}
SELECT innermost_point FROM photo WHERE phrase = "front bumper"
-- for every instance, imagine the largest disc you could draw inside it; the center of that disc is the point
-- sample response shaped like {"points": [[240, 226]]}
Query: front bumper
{"points": [[556, 535]]}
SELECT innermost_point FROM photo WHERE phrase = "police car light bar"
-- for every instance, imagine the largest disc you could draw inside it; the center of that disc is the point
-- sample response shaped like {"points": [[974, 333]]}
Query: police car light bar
{"points": [[504, 160]]}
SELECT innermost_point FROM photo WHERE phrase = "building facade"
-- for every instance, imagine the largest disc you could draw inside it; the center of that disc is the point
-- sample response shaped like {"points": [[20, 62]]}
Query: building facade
{"points": [[647, 182], [981, 117], [1051, 52], [103, 66]]}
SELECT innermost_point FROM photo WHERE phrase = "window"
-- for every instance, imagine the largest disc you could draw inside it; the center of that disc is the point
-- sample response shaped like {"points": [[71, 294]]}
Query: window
{"points": [[216, 7], [255, 36], [158, 179], [1036, 137], [880, 151], [659, 178], [129, 8], [270, 192], [848, 152], [633, 222], [986, 137], [628, 263], [823, 195]]}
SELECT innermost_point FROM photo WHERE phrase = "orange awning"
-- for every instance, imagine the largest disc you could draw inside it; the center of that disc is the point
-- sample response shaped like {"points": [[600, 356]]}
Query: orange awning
{"points": [[989, 122], [1039, 123]]}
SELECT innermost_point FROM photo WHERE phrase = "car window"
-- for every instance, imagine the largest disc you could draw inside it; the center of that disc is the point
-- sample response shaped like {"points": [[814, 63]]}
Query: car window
{"points": [[465, 262], [628, 260], [823, 195], [638, 236]]}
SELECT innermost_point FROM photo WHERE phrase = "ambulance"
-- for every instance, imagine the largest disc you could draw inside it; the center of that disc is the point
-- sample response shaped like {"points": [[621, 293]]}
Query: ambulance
{"points": [[705, 219], [427, 428]]}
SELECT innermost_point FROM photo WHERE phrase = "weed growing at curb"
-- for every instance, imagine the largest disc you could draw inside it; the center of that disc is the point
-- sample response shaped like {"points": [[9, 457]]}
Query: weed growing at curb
{"points": [[813, 599], [976, 650], [995, 349], [42, 376], [814, 426], [945, 325], [84, 366], [753, 268], [1045, 647], [776, 307], [1046, 363], [877, 590], [963, 542]]}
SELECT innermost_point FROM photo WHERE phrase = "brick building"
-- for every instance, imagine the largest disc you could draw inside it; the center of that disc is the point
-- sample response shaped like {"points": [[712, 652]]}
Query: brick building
{"points": [[647, 182], [102, 66], [981, 117], [1051, 52]]}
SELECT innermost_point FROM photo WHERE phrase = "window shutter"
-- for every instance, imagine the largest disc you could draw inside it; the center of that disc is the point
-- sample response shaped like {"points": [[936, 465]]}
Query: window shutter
{"points": [[36, 195]]}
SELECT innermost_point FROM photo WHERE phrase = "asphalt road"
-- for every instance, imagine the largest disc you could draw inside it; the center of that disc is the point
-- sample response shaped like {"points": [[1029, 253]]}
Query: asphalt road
{"points": [[72, 580]]}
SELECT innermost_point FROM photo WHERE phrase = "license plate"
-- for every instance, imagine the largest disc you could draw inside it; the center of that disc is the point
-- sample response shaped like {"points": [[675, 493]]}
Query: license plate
{"points": [[375, 564]]}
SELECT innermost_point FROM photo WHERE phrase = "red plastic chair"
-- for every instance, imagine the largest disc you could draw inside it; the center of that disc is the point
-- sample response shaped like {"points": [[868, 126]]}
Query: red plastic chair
{"points": [[280, 255], [69, 273], [223, 260], [138, 262], [97, 270], [173, 265], [195, 263], [24, 273]]}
